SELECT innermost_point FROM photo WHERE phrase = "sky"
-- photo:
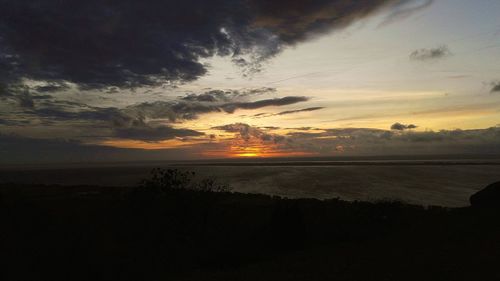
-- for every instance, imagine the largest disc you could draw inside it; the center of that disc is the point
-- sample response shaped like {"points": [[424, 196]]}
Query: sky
{"points": [[168, 80]]}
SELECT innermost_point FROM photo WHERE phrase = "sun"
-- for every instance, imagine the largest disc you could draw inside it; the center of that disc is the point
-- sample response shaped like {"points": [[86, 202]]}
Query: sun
{"points": [[247, 154], [247, 151]]}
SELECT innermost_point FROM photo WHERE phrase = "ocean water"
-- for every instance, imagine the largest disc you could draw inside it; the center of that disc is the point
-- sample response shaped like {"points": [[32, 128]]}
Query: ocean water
{"points": [[443, 185]]}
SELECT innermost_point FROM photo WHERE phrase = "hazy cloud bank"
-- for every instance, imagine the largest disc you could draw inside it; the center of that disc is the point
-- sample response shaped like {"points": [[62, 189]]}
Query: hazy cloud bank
{"points": [[319, 142]]}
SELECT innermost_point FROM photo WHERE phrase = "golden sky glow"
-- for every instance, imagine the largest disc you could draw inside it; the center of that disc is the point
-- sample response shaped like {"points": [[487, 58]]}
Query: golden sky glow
{"points": [[434, 72]]}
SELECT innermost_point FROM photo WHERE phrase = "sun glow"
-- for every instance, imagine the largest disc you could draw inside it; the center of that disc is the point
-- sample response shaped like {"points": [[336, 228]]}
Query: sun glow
{"points": [[253, 152], [247, 155]]}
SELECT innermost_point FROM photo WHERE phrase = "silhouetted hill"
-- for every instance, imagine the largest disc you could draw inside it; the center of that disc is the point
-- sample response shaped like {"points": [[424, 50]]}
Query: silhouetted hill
{"points": [[97, 233], [489, 197]]}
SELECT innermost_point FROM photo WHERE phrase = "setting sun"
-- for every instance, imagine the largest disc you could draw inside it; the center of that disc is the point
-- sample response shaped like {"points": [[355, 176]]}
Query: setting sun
{"points": [[247, 155]]}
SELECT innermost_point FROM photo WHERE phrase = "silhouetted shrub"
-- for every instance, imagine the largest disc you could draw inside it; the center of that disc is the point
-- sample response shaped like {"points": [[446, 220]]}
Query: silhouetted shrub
{"points": [[211, 185], [163, 181]]}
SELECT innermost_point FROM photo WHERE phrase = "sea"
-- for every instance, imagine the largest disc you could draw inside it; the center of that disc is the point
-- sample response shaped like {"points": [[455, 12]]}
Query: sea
{"points": [[447, 183]]}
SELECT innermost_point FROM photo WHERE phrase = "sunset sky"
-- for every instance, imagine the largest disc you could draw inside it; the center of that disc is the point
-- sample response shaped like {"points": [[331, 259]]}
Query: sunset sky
{"points": [[167, 80]]}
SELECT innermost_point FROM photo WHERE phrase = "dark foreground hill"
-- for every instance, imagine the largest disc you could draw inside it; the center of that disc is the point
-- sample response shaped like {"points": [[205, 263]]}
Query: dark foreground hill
{"points": [[95, 233]]}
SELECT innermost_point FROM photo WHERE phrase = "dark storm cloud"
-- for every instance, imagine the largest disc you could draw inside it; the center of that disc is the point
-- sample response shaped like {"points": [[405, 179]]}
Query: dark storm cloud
{"points": [[297, 20], [154, 133], [128, 43], [430, 54], [401, 127]]}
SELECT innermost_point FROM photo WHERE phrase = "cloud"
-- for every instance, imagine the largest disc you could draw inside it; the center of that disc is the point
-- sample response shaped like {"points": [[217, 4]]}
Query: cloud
{"points": [[26, 101], [231, 107], [21, 95], [228, 95], [191, 106], [147, 121], [430, 54], [495, 88], [263, 115], [52, 87], [326, 142], [128, 43], [110, 114], [295, 21], [211, 96], [247, 132], [299, 110], [404, 9], [401, 127], [35, 105], [172, 111], [152, 134], [362, 141], [15, 149]]}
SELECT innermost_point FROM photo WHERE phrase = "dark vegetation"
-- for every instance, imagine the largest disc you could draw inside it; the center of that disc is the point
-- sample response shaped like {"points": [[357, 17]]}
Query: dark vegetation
{"points": [[174, 228]]}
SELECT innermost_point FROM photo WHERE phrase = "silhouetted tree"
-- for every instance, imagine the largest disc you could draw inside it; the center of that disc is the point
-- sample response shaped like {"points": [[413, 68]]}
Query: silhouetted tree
{"points": [[164, 180]]}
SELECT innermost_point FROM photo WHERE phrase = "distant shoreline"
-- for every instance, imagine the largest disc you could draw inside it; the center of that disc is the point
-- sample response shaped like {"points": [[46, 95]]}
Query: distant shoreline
{"points": [[398, 160], [257, 164], [347, 163]]}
